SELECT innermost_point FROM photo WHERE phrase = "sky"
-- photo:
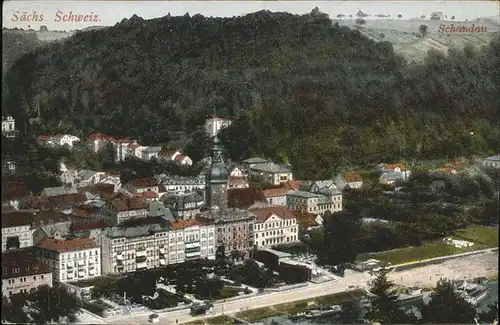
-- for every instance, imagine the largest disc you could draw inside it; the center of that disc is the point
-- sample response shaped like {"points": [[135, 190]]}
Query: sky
{"points": [[106, 13]]}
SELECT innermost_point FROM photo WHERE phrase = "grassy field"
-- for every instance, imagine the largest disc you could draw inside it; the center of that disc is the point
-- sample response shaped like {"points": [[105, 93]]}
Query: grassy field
{"points": [[258, 314], [293, 308], [219, 320], [483, 237]]}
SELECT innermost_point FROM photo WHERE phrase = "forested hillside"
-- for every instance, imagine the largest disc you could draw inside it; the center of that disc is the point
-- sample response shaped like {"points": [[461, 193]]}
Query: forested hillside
{"points": [[323, 97]]}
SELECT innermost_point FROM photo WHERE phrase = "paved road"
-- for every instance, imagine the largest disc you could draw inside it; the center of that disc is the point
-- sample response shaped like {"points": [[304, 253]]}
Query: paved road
{"points": [[471, 266]]}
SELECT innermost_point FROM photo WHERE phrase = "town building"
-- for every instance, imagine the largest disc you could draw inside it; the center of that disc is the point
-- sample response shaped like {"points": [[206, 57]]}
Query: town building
{"points": [[185, 206], [70, 259], [316, 203], [250, 162], [121, 209], [22, 273], [181, 185], [16, 230], [214, 125], [394, 168], [144, 244], [270, 173], [492, 162], [274, 226], [234, 229], [199, 238], [238, 182], [217, 179], [276, 196], [8, 126], [143, 185], [349, 180], [59, 140]]}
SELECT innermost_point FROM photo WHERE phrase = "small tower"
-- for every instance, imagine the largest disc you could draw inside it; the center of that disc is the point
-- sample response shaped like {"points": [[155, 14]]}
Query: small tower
{"points": [[217, 180]]}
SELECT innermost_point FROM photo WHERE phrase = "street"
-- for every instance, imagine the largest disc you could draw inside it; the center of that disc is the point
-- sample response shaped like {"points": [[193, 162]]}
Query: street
{"points": [[466, 267]]}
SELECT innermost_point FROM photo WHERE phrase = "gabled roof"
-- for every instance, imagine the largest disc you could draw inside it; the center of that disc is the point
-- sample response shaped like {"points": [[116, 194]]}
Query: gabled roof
{"points": [[66, 245], [262, 214], [14, 190], [235, 180], [144, 182], [352, 177]]}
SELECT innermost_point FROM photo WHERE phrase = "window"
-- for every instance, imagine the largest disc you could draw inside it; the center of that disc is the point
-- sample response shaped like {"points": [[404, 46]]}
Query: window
{"points": [[34, 278]]}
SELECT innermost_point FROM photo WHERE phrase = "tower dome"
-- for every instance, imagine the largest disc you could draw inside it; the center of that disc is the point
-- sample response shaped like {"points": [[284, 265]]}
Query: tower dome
{"points": [[217, 173]]}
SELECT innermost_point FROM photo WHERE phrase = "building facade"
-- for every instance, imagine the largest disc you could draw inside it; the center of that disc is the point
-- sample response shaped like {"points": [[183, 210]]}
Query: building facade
{"points": [[274, 226], [181, 185], [270, 173], [8, 126], [185, 206], [22, 273], [492, 162], [214, 125], [16, 230], [70, 259], [122, 209], [199, 238], [316, 203], [234, 229]]}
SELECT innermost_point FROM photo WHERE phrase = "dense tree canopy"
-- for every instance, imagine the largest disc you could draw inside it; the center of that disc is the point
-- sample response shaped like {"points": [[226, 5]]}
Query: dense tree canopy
{"points": [[305, 90]]}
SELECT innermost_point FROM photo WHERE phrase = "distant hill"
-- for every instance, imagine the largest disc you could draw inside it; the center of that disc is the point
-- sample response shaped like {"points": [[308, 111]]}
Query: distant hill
{"points": [[408, 41]]}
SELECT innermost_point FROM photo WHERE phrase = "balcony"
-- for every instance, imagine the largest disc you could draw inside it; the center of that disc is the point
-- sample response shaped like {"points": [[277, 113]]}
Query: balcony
{"points": [[140, 259], [119, 257], [142, 265], [81, 274], [162, 251], [140, 253], [163, 261]]}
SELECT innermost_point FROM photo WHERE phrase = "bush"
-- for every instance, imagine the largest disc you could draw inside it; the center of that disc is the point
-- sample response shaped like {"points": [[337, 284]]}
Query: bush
{"points": [[360, 21]]}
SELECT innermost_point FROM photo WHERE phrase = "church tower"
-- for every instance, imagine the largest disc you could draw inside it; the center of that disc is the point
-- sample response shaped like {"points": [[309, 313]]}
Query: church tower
{"points": [[217, 180]]}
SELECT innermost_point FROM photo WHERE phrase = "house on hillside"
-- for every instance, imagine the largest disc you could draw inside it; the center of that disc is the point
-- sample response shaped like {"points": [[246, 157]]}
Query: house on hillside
{"points": [[86, 178], [316, 203], [391, 178], [492, 162], [319, 185], [250, 162], [8, 126], [394, 168], [349, 180], [214, 125], [59, 140], [271, 173], [98, 141], [149, 153]]}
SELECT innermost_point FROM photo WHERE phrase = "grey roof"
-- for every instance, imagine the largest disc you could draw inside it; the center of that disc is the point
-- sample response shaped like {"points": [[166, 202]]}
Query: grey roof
{"points": [[324, 200], [227, 215], [276, 252], [131, 232], [324, 184], [179, 180], [255, 160], [392, 176], [156, 209], [330, 191], [56, 191], [85, 174], [494, 158], [303, 194], [62, 227], [271, 168]]}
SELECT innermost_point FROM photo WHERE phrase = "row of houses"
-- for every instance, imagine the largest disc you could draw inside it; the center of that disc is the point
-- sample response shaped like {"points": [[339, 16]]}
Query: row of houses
{"points": [[74, 250]]}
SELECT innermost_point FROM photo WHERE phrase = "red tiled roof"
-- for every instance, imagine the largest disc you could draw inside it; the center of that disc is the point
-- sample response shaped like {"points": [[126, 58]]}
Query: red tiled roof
{"points": [[182, 224], [74, 198], [144, 182], [14, 190], [262, 214], [244, 197], [25, 263], [99, 136], [68, 245], [82, 211], [293, 185], [17, 218], [44, 137], [280, 191], [147, 195], [35, 202], [392, 166], [127, 204], [352, 177], [237, 180]]}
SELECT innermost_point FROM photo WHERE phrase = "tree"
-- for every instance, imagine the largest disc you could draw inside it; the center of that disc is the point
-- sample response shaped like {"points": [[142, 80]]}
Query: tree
{"points": [[341, 238], [198, 146], [53, 304], [400, 16], [360, 21], [384, 308], [423, 30], [447, 306], [490, 314]]}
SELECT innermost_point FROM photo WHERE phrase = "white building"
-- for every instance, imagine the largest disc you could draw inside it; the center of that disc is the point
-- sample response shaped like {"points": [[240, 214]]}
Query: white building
{"points": [[274, 226], [181, 185], [8, 126], [59, 140], [16, 230], [492, 162], [316, 203], [199, 238], [70, 259], [214, 125], [22, 273]]}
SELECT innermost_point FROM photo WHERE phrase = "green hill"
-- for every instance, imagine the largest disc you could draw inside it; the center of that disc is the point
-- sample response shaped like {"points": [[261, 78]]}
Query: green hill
{"points": [[321, 96]]}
